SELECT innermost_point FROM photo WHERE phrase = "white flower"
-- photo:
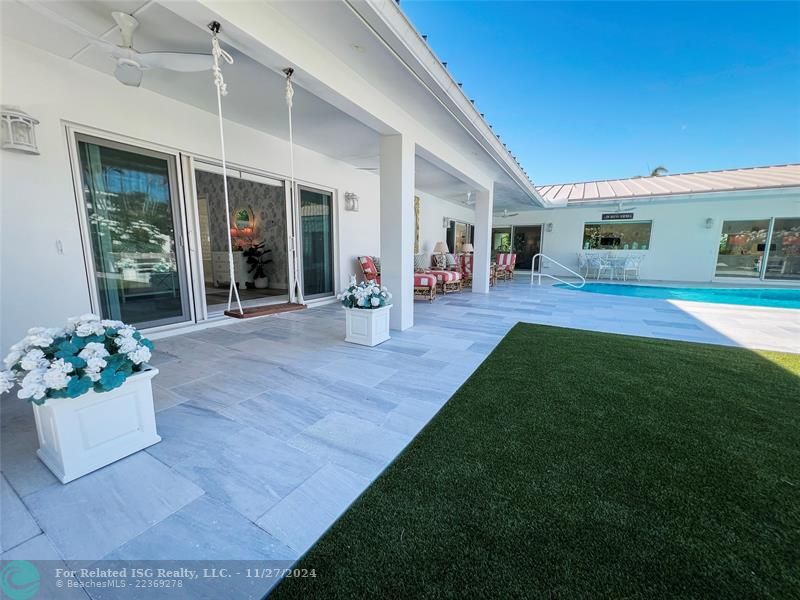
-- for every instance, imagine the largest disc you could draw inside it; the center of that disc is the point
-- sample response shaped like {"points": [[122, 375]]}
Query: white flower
{"points": [[12, 358], [126, 344], [93, 349], [21, 345], [87, 317], [33, 359], [126, 331], [140, 355], [112, 323], [95, 363], [56, 376], [39, 336], [7, 381], [33, 385], [89, 328], [375, 302], [361, 302]]}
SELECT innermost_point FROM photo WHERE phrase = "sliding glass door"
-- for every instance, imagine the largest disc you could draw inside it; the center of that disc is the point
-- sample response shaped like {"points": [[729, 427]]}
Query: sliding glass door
{"points": [[760, 249], [132, 215], [783, 259], [316, 238], [527, 244]]}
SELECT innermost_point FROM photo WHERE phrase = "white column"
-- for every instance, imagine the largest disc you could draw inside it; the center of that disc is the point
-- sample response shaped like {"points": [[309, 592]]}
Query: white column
{"points": [[484, 202], [397, 226]]}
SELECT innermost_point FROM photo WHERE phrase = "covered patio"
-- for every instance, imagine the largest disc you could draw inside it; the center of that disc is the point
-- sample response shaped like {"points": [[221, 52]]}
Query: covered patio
{"points": [[272, 427]]}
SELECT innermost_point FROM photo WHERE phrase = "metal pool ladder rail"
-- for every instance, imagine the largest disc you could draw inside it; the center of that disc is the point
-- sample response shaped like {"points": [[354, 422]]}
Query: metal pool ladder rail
{"points": [[534, 273]]}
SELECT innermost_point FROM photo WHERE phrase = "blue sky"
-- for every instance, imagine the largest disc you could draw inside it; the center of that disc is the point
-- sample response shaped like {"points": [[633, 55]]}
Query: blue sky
{"points": [[596, 90]]}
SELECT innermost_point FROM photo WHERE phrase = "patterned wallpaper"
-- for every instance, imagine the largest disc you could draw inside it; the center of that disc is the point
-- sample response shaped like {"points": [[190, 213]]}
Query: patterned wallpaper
{"points": [[269, 209]]}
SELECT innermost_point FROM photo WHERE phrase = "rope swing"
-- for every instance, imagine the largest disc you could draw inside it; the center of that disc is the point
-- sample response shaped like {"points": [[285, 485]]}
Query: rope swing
{"points": [[298, 289], [222, 90], [219, 55]]}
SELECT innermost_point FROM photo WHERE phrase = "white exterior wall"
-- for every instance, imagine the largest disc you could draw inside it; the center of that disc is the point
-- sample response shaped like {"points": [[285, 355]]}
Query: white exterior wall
{"points": [[39, 286], [681, 247]]}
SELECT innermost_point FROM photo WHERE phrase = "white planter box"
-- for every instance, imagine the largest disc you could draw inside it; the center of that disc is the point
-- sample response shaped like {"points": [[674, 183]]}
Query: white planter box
{"points": [[367, 326], [80, 435]]}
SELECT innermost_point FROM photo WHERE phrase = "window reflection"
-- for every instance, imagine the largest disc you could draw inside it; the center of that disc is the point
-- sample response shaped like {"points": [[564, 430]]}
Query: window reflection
{"points": [[617, 236]]}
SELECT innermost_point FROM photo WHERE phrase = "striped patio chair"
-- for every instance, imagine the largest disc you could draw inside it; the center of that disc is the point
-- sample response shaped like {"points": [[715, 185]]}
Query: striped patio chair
{"points": [[425, 286], [369, 269], [448, 281], [465, 262], [505, 265]]}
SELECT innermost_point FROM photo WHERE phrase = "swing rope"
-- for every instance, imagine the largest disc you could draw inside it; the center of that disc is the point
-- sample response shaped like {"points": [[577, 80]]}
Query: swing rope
{"points": [[298, 288], [222, 90]]}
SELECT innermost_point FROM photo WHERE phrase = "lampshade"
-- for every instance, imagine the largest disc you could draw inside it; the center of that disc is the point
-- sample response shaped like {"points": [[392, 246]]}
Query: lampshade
{"points": [[440, 248], [467, 248]]}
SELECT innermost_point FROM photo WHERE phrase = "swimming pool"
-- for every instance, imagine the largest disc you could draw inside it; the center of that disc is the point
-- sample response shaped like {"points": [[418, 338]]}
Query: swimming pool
{"points": [[772, 297]]}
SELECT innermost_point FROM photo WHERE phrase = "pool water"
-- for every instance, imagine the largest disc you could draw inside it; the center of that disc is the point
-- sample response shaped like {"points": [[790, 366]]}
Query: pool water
{"points": [[776, 298]]}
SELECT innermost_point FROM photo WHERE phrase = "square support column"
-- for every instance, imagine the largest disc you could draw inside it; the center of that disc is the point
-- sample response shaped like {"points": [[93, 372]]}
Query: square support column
{"points": [[484, 206], [397, 226]]}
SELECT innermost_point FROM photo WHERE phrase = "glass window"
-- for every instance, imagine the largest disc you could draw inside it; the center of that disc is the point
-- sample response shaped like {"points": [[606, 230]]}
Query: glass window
{"points": [[783, 259], [617, 236], [741, 248]]}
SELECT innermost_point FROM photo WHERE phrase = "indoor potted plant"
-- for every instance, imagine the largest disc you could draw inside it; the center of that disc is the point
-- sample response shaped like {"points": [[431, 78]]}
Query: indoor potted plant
{"points": [[367, 309], [258, 260], [90, 387]]}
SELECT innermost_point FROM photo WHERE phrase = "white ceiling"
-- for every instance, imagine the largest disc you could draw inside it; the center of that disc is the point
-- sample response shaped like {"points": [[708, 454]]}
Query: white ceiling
{"points": [[256, 93]]}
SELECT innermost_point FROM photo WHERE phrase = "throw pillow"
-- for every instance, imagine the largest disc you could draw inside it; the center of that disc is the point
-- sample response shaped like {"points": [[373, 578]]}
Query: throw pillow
{"points": [[439, 262], [419, 262]]}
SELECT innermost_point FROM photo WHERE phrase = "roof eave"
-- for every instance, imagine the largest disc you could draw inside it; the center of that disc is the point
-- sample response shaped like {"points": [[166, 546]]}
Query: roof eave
{"points": [[408, 44]]}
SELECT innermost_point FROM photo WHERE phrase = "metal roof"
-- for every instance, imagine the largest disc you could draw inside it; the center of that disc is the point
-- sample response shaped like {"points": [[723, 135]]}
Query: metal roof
{"points": [[754, 178]]}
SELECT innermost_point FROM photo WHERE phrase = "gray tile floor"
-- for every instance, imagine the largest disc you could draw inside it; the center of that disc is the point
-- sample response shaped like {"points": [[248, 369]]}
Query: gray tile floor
{"points": [[272, 427]]}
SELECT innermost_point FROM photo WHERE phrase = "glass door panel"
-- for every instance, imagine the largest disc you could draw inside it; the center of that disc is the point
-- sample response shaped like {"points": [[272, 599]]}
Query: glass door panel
{"points": [[130, 200], [783, 259], [741, 248], [501, 241], [257, 236], [316, 236], [527, 244]]}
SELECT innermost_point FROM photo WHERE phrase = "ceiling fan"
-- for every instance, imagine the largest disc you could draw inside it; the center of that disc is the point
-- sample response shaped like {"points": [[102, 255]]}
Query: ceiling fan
{"points": [[622, 208], [508, 214], [131, 64]]}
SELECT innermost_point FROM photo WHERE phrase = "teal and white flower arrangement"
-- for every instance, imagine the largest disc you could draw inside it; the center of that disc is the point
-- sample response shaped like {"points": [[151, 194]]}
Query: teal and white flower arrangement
{"points": [[90, 353], [367, 307], [366, 295]]}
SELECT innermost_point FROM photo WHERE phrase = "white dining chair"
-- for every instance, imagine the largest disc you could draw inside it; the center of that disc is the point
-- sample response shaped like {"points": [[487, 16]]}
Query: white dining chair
{"points": [[632, 264]]}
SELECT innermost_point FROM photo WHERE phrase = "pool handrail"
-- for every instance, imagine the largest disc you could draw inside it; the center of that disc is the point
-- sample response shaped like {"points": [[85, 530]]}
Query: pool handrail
{"points": [[534, 272]]}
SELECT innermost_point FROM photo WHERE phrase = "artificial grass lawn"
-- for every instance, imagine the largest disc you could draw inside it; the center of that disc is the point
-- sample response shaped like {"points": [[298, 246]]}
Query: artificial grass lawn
{"points": [[578, 464]]}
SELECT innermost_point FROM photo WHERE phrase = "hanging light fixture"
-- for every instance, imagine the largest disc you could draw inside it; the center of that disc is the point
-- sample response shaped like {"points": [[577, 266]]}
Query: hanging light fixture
{"points": [[19, 130]]}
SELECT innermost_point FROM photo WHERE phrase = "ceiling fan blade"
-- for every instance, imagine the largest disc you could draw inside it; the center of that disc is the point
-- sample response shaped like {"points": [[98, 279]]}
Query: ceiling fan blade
{"points": [[128, 73], [176, 61], [107, 47]]}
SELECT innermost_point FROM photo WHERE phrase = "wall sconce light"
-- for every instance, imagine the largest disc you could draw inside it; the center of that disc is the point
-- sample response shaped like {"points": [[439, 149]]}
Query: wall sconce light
{"points": [[19, 130], [548, 228], [351, 201], [445, 222], [709, 223]]}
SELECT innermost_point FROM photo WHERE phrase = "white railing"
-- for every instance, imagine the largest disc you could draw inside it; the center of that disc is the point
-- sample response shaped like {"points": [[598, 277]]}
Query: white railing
{"points": [[541, 258]]}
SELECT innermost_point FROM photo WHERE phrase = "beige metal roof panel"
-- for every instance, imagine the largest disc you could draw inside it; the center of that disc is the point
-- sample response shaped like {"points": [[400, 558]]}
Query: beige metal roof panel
{"points": [[753, 178]]}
